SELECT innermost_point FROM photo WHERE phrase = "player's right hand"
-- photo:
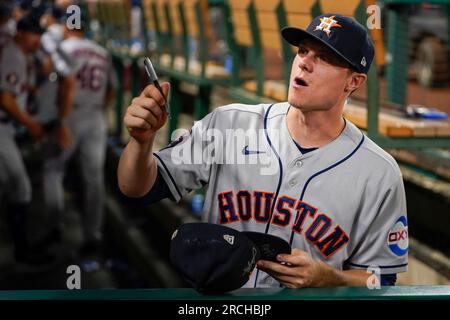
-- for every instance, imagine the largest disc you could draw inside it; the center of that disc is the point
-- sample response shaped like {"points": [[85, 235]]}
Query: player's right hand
{"points": [[146, 114], [64, 137], [35, 129]]}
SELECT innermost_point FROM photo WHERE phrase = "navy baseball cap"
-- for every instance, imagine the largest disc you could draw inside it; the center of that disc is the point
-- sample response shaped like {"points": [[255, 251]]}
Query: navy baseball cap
{"points": [[5, 9], [217, 259], [269, 246], [342, 34], [31, 23]]}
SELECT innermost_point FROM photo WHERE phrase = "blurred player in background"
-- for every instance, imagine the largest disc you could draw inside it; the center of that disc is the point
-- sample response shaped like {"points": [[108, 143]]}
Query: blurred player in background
{"points": [[87, 124], [55, 89], [15, 186]]}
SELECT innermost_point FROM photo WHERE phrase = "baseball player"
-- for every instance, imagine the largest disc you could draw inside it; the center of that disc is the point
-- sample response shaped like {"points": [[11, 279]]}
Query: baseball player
{"points": [[15, 187], [87, 124], [310, 177], [53, 100], [55, 81]]}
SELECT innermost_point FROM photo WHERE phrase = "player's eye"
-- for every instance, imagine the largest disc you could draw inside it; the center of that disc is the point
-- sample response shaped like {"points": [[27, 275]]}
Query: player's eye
{"points": [[302, 51], [324, 58]]}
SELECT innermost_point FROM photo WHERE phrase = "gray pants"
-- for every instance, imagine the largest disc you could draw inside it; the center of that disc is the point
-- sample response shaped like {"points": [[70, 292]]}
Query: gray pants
{"points": [[15, 186], [90, 133]]}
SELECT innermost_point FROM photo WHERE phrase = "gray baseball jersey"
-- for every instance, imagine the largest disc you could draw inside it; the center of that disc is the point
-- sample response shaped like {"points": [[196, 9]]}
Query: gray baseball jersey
{"points": [[13, 74], [14, 182], [343, 203], [46, 96], [6, 34], [89, 130], [93, 70]]}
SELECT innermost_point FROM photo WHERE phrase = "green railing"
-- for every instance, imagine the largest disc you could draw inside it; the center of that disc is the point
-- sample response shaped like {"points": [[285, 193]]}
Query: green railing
{"points": [[340, 293]]}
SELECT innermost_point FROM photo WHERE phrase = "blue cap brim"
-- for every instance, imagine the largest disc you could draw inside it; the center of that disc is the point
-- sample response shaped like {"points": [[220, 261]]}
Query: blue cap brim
{"points": [[294, 35], [269, 245]]}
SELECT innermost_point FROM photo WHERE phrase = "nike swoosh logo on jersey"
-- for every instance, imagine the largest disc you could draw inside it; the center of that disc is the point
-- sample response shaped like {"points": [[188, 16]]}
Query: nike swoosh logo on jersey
{"points": [[247, 152]]}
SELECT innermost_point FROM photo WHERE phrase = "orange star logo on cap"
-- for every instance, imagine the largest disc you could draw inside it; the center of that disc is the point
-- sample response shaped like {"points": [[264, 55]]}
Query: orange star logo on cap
{"points": [[326, 23]]}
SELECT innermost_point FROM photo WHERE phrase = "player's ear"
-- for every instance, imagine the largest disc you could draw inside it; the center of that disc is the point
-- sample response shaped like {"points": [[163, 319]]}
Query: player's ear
{"points": [[354, 81]]}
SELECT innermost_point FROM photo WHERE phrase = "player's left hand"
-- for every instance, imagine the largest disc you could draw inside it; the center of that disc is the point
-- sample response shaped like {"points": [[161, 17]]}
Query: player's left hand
{"points": [[295, 270]]}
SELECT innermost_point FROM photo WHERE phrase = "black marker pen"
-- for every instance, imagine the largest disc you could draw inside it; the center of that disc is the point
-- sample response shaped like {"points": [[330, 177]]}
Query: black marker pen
{"points": [[154, 79]]}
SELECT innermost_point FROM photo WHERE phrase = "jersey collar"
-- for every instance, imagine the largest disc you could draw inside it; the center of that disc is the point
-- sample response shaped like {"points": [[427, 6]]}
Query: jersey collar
{"points": [[324, 156]]}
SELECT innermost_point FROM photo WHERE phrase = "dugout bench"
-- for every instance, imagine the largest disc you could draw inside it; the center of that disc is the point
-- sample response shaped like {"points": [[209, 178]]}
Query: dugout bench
{"points": [[181, 39], [257, 24]]}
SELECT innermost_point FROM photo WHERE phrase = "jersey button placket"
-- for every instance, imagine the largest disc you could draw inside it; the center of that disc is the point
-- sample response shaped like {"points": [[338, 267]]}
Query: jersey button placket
{"points": [[292, 183], [298, 163]]}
